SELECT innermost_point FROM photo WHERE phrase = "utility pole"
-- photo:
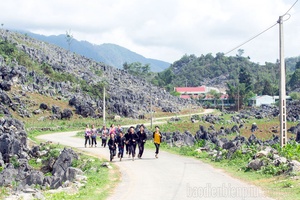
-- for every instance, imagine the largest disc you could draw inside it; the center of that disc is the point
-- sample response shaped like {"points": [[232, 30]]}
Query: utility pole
{"points": [[151, 106], [104, 121], [282, 92], [238, 104]]}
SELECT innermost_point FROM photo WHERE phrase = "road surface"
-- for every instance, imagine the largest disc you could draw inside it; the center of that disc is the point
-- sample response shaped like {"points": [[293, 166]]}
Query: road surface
{"points": [[170, 177], [162, 120]]}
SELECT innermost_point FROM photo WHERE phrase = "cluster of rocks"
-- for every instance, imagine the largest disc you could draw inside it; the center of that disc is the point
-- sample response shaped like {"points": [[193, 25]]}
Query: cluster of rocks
{"points": [[268, 111], [178, 139], [15, 155], [217, 142], [269, 157], [295, 130], [129, 96], [210, 118]]}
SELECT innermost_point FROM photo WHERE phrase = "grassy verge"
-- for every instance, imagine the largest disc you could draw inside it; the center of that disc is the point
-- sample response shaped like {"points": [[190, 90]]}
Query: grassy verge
{"points": [[280, 187], [100, 180], [275, 181]]}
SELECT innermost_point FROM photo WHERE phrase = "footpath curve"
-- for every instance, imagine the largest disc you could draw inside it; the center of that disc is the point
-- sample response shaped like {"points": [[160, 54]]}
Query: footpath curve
{"points": [[170, 177]]}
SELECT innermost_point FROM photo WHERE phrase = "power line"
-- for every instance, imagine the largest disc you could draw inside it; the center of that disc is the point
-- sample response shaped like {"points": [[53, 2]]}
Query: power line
{"points": [[290, 8], [252, 38]]}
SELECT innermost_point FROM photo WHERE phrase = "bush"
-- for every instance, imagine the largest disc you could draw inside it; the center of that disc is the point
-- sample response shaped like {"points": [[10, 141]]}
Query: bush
{"points": [[271, 169], [291, 150], [47, 69], [14, 161], [295, 95], [94, 90], [54, 153]]}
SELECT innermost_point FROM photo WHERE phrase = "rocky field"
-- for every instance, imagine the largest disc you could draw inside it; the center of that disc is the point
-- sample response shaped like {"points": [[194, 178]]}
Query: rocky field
{"points": [[52, 71]]}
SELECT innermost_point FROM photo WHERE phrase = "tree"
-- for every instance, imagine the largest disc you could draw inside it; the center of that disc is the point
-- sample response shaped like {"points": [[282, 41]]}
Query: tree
{"points": [[232, 92], [295, 80], [137, 69], [240, 52], [69, 39], [216, 95], [268, 89], [295, 95], [245, 78], [165, 77], [297, 65]]}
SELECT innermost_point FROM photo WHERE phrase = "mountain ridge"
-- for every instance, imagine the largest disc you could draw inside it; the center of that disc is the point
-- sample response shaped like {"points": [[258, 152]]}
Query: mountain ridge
{"points": [[108, 53], [31, 66]]}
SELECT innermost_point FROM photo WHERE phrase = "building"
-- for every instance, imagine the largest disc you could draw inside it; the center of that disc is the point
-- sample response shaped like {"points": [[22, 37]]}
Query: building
{"points": [[210, 100], [265, 100], [261, 100], [194, 92]]}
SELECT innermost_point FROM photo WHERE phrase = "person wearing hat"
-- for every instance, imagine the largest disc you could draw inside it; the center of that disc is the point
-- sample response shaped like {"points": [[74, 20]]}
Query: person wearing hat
{"points": [[157, 140]]}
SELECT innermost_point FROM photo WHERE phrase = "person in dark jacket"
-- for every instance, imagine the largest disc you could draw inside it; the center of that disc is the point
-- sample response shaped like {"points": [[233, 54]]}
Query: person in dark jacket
{"points": [[128, 150], [121, 143], [112, 146], [133, 139], [142, 140], [157, 140]]}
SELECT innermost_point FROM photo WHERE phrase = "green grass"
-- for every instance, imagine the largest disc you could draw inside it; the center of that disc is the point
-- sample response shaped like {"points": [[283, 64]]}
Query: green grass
{"points": [[281, 187], [100, 180], [273, 180], [3, 192], [286, 186]]}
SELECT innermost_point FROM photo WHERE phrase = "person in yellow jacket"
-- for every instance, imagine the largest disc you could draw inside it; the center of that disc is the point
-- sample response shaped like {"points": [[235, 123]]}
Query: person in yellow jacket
{"points": [[157, 140]]}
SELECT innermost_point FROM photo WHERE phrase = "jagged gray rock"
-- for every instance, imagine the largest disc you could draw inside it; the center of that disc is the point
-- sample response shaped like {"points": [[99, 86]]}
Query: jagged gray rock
{"points": [[255, 164], [127, 95]]}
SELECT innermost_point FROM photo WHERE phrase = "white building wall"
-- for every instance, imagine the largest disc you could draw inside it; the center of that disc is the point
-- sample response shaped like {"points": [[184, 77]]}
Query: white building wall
{"points": [[267, 100]]}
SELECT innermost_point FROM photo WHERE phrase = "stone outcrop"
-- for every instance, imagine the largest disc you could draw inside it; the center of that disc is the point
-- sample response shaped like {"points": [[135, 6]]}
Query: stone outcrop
{"points": [[15, 154], [127, 95]]}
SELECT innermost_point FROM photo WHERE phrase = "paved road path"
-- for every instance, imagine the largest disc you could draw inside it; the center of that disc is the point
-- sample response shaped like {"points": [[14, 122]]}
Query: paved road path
{"points": [[168, 177], [162, 120]]}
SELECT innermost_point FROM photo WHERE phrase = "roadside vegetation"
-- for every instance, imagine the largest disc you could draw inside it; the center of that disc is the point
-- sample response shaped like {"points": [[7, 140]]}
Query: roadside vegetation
{"points": [[98, 184], [277, 181], [100, 180]]}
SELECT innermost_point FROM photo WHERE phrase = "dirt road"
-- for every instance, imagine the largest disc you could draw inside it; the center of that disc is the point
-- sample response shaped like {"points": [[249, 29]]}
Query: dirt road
{"points": [[170, 177], [163, 120]]}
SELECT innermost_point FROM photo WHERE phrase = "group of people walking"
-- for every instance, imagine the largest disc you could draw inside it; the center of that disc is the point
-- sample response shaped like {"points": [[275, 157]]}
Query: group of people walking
{"points": [[114, 137]]}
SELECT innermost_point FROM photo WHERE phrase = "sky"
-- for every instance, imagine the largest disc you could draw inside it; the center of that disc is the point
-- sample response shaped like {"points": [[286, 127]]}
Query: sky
{"points": [[164, 29]]}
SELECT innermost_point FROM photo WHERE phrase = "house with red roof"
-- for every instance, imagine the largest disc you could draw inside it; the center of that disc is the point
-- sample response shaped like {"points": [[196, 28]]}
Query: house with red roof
{"points": [[193, 92]]}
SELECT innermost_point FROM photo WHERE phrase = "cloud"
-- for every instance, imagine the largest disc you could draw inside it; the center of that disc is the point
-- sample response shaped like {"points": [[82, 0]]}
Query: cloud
{"points": [[163, 29]]}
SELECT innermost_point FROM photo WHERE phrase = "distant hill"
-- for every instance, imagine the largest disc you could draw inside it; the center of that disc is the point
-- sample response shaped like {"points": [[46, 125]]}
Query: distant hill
{"points": [[110, 54], [218, 70], [51, 74]]}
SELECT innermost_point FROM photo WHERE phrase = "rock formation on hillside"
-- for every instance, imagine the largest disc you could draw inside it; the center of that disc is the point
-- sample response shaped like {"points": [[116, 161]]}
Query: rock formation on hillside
{"points": [[15, 157], [127, 95]]}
